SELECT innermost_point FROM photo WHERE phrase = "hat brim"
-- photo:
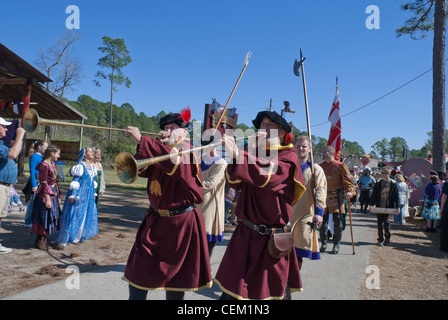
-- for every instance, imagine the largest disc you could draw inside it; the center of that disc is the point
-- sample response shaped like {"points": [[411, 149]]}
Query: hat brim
{"points": [[273, 116], [5, 123], [172, 118]]}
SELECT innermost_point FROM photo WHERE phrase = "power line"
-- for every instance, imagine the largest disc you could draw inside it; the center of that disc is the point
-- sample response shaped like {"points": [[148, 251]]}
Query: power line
{"points": [[376, 100]]}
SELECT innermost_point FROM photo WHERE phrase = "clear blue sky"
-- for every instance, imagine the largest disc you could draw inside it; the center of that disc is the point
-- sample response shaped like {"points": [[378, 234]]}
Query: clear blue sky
{"points": [[188, 52]]}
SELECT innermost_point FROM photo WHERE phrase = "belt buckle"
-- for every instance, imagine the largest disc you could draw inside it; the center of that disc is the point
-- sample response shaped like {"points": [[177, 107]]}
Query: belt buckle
{"points": [[262, 229], [164, 213]]}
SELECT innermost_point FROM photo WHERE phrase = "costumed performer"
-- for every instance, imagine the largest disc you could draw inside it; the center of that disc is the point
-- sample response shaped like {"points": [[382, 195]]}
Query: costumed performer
{"points": [[308, 211], [46, 212], [170, 249], [268, 191], [339, 182], [213, 168], [79, 215]]}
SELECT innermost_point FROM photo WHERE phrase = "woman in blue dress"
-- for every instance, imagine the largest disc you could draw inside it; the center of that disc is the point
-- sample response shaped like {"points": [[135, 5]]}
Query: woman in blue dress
{"points": [[79, 215]]}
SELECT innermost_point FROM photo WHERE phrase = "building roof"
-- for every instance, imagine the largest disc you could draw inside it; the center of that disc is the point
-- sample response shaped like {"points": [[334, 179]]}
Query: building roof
{"points": [[13, 74]]}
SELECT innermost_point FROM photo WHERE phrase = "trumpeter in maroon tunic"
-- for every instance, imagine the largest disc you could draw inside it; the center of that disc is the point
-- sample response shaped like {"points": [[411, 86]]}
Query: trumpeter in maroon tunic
{"points": [[268, 190], [170, 250]]}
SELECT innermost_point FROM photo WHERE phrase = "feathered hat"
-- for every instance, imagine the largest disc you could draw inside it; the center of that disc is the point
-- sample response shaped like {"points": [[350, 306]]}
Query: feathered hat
{"points": [[182, 119]]}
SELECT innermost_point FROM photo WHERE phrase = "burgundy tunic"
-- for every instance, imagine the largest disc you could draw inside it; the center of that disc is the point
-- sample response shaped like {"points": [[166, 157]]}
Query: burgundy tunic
{"points": [[47, 178], [247, 270], [170, 253], [46, 221]]}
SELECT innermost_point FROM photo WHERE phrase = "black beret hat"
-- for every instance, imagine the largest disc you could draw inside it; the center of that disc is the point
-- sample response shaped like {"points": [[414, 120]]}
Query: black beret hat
{"points": [[273, 116], [170, 118], [182, 119]]}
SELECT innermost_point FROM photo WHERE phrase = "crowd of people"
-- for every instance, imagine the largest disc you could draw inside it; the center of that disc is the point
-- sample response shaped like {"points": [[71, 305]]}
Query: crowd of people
{"points": [[76, 220], [280, 208], [388, 188]]}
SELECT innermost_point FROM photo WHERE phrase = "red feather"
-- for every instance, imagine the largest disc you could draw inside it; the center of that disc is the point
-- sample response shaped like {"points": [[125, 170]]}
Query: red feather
{"points": [[185, 114], [288, 138]]}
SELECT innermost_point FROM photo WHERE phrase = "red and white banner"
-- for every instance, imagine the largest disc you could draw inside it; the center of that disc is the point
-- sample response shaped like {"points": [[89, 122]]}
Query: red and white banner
{"points": [[334, 139]]}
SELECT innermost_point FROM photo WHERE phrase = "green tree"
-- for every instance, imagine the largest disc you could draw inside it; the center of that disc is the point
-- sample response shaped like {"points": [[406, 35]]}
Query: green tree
{"points": [[117, 57], [431, 15], [380, 150], [396, 145], [352, 148]]}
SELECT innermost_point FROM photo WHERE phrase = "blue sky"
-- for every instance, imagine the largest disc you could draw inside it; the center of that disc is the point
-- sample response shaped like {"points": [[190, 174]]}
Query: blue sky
{"points": [[188, 52]]}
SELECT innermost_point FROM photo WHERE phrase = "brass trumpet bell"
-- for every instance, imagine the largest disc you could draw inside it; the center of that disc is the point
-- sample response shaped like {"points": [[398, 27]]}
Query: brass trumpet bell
{"points": [[126, 167], [31, 120]]}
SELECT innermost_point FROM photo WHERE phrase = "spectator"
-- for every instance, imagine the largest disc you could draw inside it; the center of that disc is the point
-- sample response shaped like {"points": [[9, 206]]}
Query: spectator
{"points": [[431, 209], [403, 199], [8, 170], [46, 210], [14, 200], [444, 218], [100, 177], [366, 183], [36, 156], [384, 195]]}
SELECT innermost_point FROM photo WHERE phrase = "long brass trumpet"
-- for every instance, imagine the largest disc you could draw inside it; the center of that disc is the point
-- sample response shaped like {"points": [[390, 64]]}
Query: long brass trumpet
{"points": [[127, 167], [31, 121]]}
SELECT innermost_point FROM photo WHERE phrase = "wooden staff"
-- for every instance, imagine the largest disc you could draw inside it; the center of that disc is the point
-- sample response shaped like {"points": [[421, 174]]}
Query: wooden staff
{"points": [[351, 228], [246, 62]]}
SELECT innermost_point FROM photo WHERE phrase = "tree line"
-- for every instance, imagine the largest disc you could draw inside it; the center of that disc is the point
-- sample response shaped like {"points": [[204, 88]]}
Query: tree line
{"points": [[98, 114]]}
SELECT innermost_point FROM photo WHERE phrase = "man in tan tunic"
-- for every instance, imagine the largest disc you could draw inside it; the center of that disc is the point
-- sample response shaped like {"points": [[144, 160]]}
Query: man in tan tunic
{"points": [[310, 207], [339, 182], [213, 168]]}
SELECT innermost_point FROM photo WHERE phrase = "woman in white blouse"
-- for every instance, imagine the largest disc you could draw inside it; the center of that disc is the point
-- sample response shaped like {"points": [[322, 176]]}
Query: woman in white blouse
{"points": [[79, 215]]}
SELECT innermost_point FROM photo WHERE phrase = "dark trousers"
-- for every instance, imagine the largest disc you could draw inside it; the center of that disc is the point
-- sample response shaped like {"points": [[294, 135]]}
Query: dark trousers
{"points": [[139, 294], [383, 225], [337, 228], [364, 199], [444, 232]]}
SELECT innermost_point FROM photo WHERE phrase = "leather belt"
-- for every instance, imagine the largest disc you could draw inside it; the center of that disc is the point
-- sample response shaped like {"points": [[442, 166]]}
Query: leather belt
{"points": [[262, 229], [6, 184], [335, 191], [172, 212]]}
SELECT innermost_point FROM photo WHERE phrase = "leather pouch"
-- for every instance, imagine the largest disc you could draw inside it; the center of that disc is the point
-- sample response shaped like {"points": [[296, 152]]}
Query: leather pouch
{"points": [[280, 244]]}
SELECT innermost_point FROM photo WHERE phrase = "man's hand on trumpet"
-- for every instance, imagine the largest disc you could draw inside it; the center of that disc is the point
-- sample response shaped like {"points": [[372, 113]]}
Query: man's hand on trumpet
{"points": [[231, 148], [134, 132]]}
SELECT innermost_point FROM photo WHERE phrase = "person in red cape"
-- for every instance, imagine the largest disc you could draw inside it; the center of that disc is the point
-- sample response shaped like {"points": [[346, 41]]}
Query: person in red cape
{"points": [[170, 251], [268, 190]]}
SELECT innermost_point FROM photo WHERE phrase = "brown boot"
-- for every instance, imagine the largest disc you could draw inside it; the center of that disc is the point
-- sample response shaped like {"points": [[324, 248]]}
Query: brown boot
{"points": [[41, 243]]}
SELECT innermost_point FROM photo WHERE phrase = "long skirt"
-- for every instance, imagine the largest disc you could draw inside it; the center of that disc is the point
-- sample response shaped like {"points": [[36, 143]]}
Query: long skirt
{"points": [[431, 210], [45, 221]]}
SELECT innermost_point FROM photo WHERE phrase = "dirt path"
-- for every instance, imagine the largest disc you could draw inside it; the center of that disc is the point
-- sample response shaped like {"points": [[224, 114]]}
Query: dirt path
{"points": [[412, 267], [26, 267]]}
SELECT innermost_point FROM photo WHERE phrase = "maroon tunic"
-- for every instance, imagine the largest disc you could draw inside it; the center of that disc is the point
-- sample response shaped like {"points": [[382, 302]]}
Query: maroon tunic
{"points": [[247, 270], [46, 220], [170, 253]]}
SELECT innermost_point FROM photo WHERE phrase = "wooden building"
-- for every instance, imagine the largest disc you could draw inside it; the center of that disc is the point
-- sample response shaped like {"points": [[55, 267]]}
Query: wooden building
{"points": [[18, 80]]}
